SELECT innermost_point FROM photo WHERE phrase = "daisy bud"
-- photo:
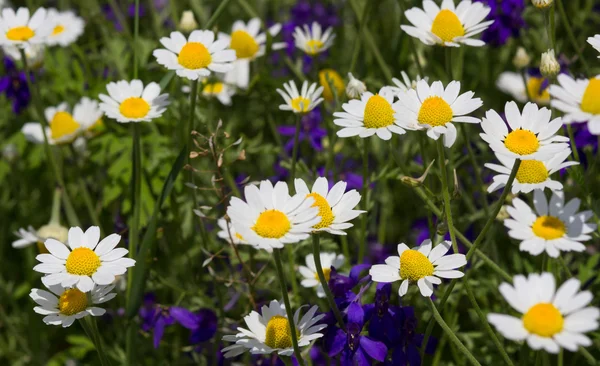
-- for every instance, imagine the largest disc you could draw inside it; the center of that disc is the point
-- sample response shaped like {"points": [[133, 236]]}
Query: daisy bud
{"points": [[187, 22], [549, 67], [355, 87], [521, 59], [54, 231], [542, 4], [416, 182], [503, 214]]}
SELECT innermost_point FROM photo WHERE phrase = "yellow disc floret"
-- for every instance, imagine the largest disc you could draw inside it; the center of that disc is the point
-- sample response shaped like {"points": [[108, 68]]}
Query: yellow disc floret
{"points": [[549, 227], [543, 319], [72, 301], [328, 76], [214, 88], [134, 107], [447, 26], [83, 262], [244, 44], [590, 102], [58, 30], [532, 171], [414, 265], [378, 112], [300, 104], [324, 210], [278, 334], [435, 111], [194, 55], [522, 142], [326, 274], [20, 33], [272, 224], [313, 46], [62, 125], [535, 91]]}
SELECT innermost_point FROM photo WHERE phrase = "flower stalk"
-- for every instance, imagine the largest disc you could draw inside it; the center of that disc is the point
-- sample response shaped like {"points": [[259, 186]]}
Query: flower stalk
{"points": [[326, 289], [91, 329]]}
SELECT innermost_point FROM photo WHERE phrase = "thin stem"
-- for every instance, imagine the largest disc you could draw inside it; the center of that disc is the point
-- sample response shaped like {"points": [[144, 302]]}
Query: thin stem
{"points": [[213, 19], [292, 264], [136, 31], [477, 168], [446, 193], [448, 54], [87, 198], [451, 335], [136, 201], [89, 326], [55, 218], [365, 194], [295, 149], [191, 118], [573, 144], [560, 357], [288, 307], [326, 289], [570, 34], [357, 43]]}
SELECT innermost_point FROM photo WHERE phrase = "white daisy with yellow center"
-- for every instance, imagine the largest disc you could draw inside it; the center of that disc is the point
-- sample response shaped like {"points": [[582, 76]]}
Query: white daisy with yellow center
{"points": [[551, 318], [132, 102], [19, 29], [532, 174], [309, 272], [536, 89], [62, 306], [269, 331], [336, 206], [422, 265], [300, 102], [402, 86], [595, 42], [218, 89], [554, 227], [83, 262], [532, 134], [312, 40], [371, 114], [434, 108], [31, 236], [448, 25], [579, 99], [67, 27], [270, 217], [227, 232], [195, 57]]}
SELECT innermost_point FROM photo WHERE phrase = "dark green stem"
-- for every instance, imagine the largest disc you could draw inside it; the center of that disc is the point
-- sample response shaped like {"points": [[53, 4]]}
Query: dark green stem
{"points": [[326, 289], [570, 34], [295, 149], [363, 230], [446, 193]]}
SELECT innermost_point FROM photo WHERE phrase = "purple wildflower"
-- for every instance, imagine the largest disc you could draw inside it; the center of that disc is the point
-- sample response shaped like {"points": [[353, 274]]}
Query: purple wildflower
{"points": [[14, 86], [508, 20], [310, 131]]}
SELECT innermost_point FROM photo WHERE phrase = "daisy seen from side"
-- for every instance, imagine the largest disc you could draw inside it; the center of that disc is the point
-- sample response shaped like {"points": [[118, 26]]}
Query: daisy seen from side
{"points": [[219, 90], [227, 232], [309, 272], [301, 102], [534, 88], [132, 102], [579, 99], [20, 29], [312, 40], [402, 86], [32, 236]]}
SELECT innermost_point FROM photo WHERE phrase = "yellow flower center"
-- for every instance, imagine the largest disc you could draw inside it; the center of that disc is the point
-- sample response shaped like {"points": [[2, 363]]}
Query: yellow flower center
{"points": [[534, 89], [447, 26], [378, 112], [549, 227], [278, 334], [324, 210], [327, 75], [590, 102], [83, 262], [58, 30], [414, 265], [194, 55], [20, 33], [214, 88], [522, 142], [62, 124], [532, 171], [72, 301], [435, 111], [326, 274], [300, 104], [134, 107], [313, 46], [237, 235], [544, 320], [272, 224], [244, 44]]}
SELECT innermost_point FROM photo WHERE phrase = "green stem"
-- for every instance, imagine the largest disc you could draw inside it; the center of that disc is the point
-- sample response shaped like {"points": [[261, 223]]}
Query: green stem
{"points": [[573, 145], [84, 190], [295, 149], [191, 120], [213, 19], [448, 54], [477, 168], [55, 218], [570, 34], [321, 275], [451, 335], [365, 194], [136, 201], [136, 31], [357, 43], [89, 326], [292, 263], [288, 307], [446, 193], [559, 362]]}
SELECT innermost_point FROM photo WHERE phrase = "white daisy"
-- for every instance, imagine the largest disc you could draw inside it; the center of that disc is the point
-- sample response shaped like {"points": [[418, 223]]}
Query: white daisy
{"points": [[595, 42], [18, 29], [62, 306], [536, 89], [402, 86], [34, 53], [532, 174], [270, 331], [196, 56], [87, 263], [230, 236], [248, 41], [336, 208], [423, 266], [303, 102], [532, 136], [579, 99], [88, 114], [218, 89], [551, 318], [435, 108], [312, 40], [271, 218], [67, 27], [311, 278], [31, 236], [554, 228], [131, 102], [369, 115], [448, 25]]}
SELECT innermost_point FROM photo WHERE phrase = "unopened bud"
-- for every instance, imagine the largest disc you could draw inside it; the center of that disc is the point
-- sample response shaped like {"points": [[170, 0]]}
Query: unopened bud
{"points": [[416, 182], [355, 87], [521, 59], [542, 4], [187, 22], [442, 228], [503, 214], [549, 67], [53, 231]]}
